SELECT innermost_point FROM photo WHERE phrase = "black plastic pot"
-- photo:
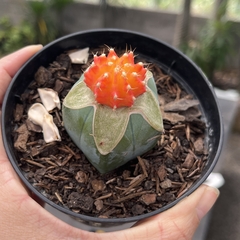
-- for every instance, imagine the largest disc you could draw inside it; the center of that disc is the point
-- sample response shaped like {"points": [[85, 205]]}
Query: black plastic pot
{"points": [[171, 60]]}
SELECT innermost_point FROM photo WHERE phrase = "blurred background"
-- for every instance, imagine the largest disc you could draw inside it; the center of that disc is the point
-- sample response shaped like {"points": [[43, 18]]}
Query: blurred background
{"points": [[208, 31]]}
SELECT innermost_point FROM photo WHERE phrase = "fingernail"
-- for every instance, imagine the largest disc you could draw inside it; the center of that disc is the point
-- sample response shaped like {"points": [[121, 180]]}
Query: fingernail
{"points": [[208, 199], [38, 46]]}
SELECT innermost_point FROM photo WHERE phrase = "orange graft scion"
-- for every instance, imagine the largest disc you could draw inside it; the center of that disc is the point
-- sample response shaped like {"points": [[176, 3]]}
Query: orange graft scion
{"points": [[116, 81]]}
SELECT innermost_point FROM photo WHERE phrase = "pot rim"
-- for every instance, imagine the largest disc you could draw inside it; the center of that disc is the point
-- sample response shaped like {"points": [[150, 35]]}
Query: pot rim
{"points": [[91, 218]]}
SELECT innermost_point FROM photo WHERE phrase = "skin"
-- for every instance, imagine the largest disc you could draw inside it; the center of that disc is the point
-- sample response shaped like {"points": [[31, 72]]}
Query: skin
{"points": [[23, 217]]}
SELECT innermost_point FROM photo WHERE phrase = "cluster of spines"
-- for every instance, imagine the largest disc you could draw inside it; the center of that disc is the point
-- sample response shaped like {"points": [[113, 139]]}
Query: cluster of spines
{"points": [[116, 81]]}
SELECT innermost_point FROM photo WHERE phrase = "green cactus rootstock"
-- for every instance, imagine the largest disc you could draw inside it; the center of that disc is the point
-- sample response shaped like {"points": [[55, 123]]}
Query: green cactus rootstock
{"points": [[112, 113]]}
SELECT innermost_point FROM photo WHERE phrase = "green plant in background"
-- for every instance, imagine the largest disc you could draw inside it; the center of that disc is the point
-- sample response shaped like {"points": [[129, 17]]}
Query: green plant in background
{"points": [[41, 21], [14, 37], [45, 15], [216, 42], [41, 25]]}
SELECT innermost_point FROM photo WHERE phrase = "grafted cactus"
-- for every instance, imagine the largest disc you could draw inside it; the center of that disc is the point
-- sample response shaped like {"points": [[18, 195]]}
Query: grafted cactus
{"points": [[112, 113], [116, 82]]}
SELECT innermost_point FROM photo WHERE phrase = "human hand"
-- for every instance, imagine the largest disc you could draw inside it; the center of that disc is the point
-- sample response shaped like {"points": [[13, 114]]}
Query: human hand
{"points": [[22, 218]]}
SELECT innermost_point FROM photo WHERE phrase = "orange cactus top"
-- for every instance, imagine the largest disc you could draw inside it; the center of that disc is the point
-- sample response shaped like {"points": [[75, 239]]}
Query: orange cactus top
{"points": [[116, 81]]}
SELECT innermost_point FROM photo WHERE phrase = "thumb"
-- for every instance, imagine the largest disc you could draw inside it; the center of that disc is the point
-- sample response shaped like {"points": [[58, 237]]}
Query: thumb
{"points": [[10, 64], [181, 221]]}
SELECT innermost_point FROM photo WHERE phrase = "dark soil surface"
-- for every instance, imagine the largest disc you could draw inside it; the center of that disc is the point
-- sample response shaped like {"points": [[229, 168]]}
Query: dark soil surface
{"points": [[60, 171]]}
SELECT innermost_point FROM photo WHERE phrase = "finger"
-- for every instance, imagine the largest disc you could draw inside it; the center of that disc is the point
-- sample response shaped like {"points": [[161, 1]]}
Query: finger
{"points": [[3, 154], [181, 221], [10, 64], [37, 199], [6, 171]]}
